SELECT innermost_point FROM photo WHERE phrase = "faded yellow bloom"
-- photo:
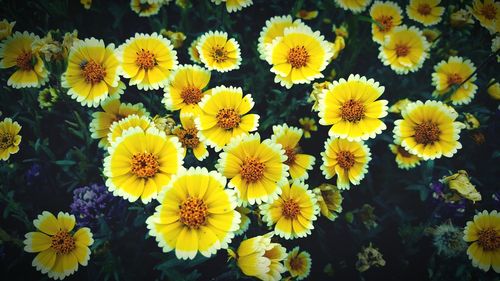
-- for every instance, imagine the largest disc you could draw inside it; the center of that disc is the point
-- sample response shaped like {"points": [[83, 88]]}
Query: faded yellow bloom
{"points": [[48, 48], [177, 38], [399, 106], [461, 18], [184, 4], [369, 257], [86, 3], [471, 121], [68, 40], [341, 30], [6, 28], [307, 15], [431, 34], [166, 123], [494, 90], [460, 183], [337, 46], [317, 89]]}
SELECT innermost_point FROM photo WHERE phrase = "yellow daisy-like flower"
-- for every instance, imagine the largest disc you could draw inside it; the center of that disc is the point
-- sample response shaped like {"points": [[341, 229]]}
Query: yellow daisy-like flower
{"points": [[329, 200], [389, 15], [245, 220], [308, 125], [113, 110], [275, 27], [351, 106], [484, 233], [16, 51], [194, 55], [453, 72], [185, 89], [234, 5], [348, 160], [148, 60], [196, 214], [118, 127], [426, 12], [141, 163], [494, 90], [256, 168], [404, 159], [307, 15], [298, 263], [93, 70], [145, 9], [404, 50], [399, 106], [6, 28], [293, 212], [9, 138], [299, 56], [298, 163], [188, 136], [355, 6], [428, 130], [219, 53], [224, 116], [259, 257], [487, 12], [59, 250]]}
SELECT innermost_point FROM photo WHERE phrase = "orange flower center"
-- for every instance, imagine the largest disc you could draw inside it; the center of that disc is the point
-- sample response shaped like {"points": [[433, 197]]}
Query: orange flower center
{"points": [[191, 95], [92, 71], [63, 243], [23, 61], [424, 9], [6, 140], [352, 111], [290, 153], [489, 11], [454, 78], [188, 137], [219, 54], [144, 165], [427, 132], [403, 152], [385, 23], [296, 263], [228, 118], [298, 57], [193, 212], [252, 170], [488, 239], [291, 209], [402, 50], [345, 159], [145, 59]]}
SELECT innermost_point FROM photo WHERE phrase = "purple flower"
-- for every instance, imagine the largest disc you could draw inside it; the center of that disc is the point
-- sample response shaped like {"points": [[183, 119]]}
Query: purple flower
{"points": [[447, 204], [90, 203], [33, 173]]}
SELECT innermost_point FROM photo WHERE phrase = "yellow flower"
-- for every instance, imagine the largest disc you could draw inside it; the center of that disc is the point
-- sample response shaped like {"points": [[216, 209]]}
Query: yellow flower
{"points": [[494, 91], [337, 46], [194, 55], [299, 56], [399, 106], [16, 51], [317, 90], [47, 97], [389, 15], [140, 164], [404, 50], [59, 250], [224, 116], [177, 38], [298, 163], [351, 106], [461, 18], [256, 168], [114, 110], [348, 160], [487, 12], [219, 53], [484, 233], [341, 30], [307, 15], [308, 125], [428, 130], [185, 89], [275, 27], [6, 28], [293, 212], [145, 9], [69, 40], [93, 70], [9, 138], [329, 200], [460, 183], [259, 257], [86, 4], [431, 35], [234, 5], [166, 124], [453, 72], [245, 220], [188, 136], [404, 159], [355, 6], [298, 263], [47, 47], [196, 214], [471, 121], [426, 12], [148, 60], [118, 127]]}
